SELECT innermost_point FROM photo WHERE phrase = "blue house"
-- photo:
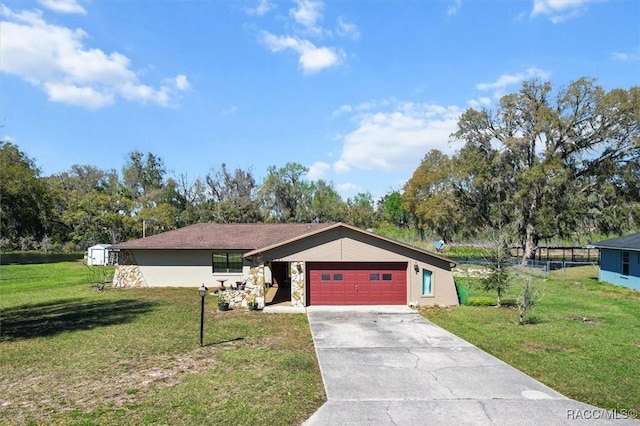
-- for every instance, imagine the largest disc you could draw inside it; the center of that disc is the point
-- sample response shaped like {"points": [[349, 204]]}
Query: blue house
{"points": [[620, 261]]}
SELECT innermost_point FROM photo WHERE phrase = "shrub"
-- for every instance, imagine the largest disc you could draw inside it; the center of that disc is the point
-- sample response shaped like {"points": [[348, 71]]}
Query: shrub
{"points": [[481, 301], [467, 252], [527, 299], [509, 303]]}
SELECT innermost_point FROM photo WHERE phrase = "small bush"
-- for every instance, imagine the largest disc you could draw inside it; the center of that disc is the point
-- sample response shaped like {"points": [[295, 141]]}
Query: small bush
{"points": [[481, 301], [466, 252], [527, 299], [509, 303]]}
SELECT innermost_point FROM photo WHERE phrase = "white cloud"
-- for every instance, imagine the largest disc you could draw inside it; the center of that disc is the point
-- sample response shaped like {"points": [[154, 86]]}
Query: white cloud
{"points": [[344, 109], [318, 170], [78, 95], [182, 83], [362, 107], [632, 56], [559, 10], [305, 23], [454, 7], [347, 29], [63, 6], [230, 110], [397, 139], [261, 8], [482, 101], [506, 80], [341, 166], [55, 59], [348, 188], [308, 13], [311, 58], [393, 136]]}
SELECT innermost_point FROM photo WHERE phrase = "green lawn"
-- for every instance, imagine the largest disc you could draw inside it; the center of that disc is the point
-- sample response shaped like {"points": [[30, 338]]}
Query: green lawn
{"points": [[584, 340], [71, 354]]}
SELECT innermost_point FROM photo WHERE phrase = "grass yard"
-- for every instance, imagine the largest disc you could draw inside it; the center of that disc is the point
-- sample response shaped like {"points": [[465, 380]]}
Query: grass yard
{"points": [[71, 354], [583, 340]]}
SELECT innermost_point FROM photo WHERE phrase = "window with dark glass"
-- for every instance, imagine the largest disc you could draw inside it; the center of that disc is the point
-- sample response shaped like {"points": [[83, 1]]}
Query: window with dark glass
{"points": [[374, 277], [625, 263], [387, 277], [325, 277], [227, 262], [337, 277]]}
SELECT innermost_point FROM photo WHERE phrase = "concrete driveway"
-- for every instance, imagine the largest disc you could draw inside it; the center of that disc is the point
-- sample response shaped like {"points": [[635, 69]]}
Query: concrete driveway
{"points": [[389, 366]]}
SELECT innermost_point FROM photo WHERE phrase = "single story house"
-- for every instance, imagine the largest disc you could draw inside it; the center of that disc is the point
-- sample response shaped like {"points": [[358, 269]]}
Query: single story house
{"points": [[312, 264], [620, 261], [98, 254]]}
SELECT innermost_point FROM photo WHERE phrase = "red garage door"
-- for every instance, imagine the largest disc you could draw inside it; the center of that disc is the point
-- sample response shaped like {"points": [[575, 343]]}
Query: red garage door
{"points": [[345, 283]]}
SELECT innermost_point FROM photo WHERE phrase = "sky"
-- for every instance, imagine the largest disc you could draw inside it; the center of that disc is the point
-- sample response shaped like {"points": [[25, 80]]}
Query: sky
{"points": [[356, 91]]}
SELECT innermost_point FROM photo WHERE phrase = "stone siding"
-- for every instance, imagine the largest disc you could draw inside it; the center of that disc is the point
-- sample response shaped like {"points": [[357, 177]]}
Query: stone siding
{"points": [[298, 296], [254, 288], [238, 298], [256, 275], [128, 273]]}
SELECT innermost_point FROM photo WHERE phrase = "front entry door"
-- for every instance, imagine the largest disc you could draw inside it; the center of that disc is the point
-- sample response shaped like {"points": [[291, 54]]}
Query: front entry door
{"points": [[280, 274]]}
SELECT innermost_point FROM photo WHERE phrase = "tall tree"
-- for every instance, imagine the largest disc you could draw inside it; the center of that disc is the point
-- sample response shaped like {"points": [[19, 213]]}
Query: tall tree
{"points": [[360, 211], [391, 209], [549, 150], [193, 200], [286, 194], [25, 201], [429, 196], [144, 183], [91, 206], [234, 196], [326, 203], [143, 177]]}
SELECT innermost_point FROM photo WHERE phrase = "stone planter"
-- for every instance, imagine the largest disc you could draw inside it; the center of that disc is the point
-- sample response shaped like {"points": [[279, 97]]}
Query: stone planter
{"points": [[223, 306]]}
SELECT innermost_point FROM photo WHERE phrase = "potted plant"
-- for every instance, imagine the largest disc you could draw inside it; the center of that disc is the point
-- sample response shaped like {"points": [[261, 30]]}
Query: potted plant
{"points": [[252, 303], [223, 303]]}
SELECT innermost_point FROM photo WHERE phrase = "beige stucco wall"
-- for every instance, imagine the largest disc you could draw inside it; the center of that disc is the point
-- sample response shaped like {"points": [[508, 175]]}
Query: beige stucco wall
{"points": [[443, 287], [183, 268], [191, 268], [343, 245]]}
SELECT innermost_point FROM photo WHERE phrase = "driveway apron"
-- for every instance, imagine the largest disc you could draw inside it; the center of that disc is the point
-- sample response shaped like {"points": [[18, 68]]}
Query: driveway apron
{"points": [[387, 365]]}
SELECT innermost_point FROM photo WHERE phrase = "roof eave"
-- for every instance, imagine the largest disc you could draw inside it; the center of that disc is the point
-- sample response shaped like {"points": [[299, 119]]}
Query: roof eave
{"points": [[353, 228], [617, 248], [181, 248]]}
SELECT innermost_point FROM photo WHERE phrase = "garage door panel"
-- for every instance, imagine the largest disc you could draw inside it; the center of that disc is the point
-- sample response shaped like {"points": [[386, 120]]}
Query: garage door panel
{"points": [[345, 283]]}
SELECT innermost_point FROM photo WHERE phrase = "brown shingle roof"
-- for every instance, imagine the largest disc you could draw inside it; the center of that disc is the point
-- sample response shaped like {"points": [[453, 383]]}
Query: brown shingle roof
{"points": [[226, 236]]}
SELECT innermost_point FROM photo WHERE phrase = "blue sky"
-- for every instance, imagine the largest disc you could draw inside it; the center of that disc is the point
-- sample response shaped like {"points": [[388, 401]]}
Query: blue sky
{"points": [[357, 91]]}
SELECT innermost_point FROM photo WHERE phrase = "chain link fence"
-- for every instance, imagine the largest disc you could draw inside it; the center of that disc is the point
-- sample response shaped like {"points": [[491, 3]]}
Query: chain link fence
{"points": [[471, 269]]}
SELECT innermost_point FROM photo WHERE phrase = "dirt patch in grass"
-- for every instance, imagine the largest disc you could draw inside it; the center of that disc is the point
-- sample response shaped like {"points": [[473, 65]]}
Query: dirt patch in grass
{"points": [[544, 347], [586, 319], [124, 382]]}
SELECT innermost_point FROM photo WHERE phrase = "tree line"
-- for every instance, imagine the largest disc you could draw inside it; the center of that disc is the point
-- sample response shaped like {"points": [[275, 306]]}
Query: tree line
{"points": [[544, 164], [87, 205]]}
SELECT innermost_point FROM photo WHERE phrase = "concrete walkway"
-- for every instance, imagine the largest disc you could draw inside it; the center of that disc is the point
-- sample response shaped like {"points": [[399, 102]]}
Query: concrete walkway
{"points": [[387, 365]]}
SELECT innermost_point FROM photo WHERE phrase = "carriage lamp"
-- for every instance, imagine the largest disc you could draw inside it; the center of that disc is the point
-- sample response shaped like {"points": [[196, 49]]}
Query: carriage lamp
{"points": [[202, 291]]}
